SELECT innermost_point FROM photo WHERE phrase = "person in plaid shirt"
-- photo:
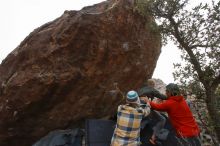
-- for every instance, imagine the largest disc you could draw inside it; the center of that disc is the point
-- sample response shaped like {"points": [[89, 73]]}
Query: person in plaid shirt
{"points": [[129, 116]]}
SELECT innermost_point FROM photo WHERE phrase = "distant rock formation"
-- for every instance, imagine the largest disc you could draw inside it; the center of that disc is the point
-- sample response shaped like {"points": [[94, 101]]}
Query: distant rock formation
{"points": [[160, 86], [65, 70]]}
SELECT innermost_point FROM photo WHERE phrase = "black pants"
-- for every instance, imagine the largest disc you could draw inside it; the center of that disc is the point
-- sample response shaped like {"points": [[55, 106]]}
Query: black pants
{"points": [[190, 141], [160, 121]]}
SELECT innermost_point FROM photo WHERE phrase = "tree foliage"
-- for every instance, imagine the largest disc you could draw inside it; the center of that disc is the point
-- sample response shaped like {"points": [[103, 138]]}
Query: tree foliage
{"points": [[196, 32], [200, 44]]}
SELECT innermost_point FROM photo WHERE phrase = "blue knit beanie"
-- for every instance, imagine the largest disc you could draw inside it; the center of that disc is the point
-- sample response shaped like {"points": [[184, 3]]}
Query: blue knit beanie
{"points": [[132, 97]]}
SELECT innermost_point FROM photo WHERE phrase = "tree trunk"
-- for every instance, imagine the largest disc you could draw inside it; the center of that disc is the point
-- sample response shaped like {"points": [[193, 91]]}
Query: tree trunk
{"points": [[214, 108]]}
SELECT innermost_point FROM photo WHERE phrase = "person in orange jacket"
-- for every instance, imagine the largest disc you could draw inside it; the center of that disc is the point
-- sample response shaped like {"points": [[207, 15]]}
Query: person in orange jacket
{"points": [[180, 115]]}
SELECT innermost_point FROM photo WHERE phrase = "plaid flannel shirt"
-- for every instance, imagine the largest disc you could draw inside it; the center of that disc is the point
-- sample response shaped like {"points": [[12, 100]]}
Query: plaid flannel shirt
{"points": [[127, 131]]}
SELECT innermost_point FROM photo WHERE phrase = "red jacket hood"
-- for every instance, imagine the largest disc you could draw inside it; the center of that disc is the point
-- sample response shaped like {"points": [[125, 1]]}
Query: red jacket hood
{"points": [[176, 98]]}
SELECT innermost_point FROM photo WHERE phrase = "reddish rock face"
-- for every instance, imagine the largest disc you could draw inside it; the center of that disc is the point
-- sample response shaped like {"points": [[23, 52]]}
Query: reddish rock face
{"points": [[65, 70]]}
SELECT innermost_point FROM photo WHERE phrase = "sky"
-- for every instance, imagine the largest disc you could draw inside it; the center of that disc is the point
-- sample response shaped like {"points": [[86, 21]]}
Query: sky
{"points": [[20, 17]]}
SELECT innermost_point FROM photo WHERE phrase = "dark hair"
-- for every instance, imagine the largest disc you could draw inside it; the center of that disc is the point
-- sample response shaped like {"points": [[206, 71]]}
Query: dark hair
{"points": [[173, 89], [134, 105]]}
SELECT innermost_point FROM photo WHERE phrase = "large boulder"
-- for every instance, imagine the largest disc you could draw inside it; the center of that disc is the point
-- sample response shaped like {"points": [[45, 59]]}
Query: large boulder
{"points": [[65, 70]]}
